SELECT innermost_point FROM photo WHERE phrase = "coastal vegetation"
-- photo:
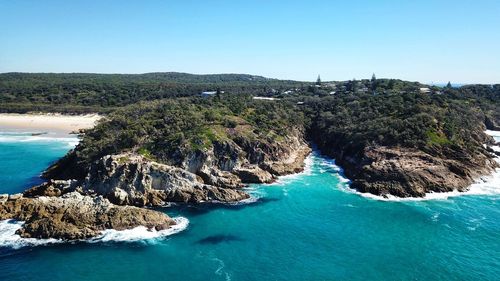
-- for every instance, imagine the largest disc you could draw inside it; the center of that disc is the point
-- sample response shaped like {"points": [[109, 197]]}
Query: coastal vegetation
{"points": [[191, 139], [164, 118], [83, 93]]}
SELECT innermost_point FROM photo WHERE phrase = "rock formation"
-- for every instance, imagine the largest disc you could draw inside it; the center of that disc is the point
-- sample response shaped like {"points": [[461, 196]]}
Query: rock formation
{"points": [[128, 179], [406, 172], [83, 204], [74, 216], [216, 173]]}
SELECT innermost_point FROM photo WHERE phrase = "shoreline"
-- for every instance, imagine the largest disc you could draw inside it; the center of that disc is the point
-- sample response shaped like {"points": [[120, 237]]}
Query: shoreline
{"points": [[42, 124], [10, 239], [485, 185]]}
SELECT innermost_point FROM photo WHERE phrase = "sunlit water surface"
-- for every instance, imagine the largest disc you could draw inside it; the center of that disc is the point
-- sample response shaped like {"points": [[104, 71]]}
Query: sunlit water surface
{"points": [[305, 227]]}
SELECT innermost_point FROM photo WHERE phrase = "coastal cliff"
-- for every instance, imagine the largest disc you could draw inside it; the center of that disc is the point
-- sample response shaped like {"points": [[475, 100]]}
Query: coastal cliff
{"points": [[176, 151], [207, 150], [426, 144], [215, 174], [406, 172], [152, 159]]}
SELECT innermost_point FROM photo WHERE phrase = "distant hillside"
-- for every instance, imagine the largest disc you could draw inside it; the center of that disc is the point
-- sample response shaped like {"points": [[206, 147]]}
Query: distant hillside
{"points": [[86, 92], [158, 77]]}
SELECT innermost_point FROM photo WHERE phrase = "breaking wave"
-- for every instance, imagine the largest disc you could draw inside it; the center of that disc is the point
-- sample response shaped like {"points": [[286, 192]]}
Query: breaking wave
{"points": [[29, 137], [9, 238], [140, 233], [487, 185], [308, 169]]}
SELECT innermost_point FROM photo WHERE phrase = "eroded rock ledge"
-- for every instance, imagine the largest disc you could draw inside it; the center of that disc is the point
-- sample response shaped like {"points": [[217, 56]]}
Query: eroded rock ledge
{"points": [[406, 172], [74, 216], [215, 174]]}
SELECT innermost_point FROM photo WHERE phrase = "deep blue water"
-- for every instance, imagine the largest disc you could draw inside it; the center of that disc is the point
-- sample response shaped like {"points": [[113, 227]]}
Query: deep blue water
{"points": [[306, 227]]}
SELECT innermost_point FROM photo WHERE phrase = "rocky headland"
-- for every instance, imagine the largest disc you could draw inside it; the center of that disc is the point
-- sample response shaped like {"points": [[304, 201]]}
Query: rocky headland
{"points": [[212, 175], [73, 216], [90, 190], [207, 151], [412, 172], [406, 172]]}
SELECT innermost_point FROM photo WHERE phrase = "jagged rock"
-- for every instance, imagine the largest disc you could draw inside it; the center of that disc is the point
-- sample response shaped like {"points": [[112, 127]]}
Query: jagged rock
{"points": [[216, 177], [52, 188], [491, 123], [75, 216], [128, 179], [406, 172], [216, 173], [254, 175], [230, 163], [294, 163]]}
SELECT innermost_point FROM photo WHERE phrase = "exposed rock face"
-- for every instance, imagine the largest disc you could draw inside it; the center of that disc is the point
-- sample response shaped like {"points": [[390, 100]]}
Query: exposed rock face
{"points": [[406, 172], [75, 216], [254, 175], [492, 123], [242, 160], [128, 179], [52, 188], [216, 173]]}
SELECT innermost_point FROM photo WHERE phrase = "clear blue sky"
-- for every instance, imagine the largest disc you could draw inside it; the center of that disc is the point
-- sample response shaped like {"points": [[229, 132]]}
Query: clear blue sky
{"points": [[426, 40]]}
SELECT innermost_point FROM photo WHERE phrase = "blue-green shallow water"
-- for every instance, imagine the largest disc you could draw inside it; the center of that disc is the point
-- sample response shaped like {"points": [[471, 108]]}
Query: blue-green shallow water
{"points": [[23, 157], [304, 228]]}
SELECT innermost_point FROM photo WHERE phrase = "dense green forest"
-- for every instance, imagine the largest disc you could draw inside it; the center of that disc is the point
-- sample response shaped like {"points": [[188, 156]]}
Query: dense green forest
{"points": [[80, 93], [163, 130], [158, 114], [432, 123]]}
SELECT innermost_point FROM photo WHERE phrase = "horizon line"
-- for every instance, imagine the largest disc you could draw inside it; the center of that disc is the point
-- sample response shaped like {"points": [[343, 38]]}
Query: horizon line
{"points": [[432, 83]]}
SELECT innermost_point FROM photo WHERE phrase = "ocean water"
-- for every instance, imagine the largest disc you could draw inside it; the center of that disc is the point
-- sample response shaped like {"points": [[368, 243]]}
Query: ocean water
{"points": [[309, 226], [23, 157]]}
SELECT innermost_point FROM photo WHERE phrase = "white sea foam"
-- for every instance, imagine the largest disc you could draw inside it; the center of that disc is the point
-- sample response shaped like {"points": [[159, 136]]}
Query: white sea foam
{"points": [[308, 164], [494, 134], [254, 192], [16, 137], [220, 269], [489, 185], [329, 165], [338, 172], [9, 238], [252, 199], [140, 233], [474, 223], [435, 217]]}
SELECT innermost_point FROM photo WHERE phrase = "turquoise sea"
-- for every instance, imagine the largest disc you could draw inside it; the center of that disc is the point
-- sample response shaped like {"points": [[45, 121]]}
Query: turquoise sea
{"points": [[305, 227]]}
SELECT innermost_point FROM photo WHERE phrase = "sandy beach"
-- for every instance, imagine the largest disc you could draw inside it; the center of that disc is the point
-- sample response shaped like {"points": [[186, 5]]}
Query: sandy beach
{"points": [[47, 123]]}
